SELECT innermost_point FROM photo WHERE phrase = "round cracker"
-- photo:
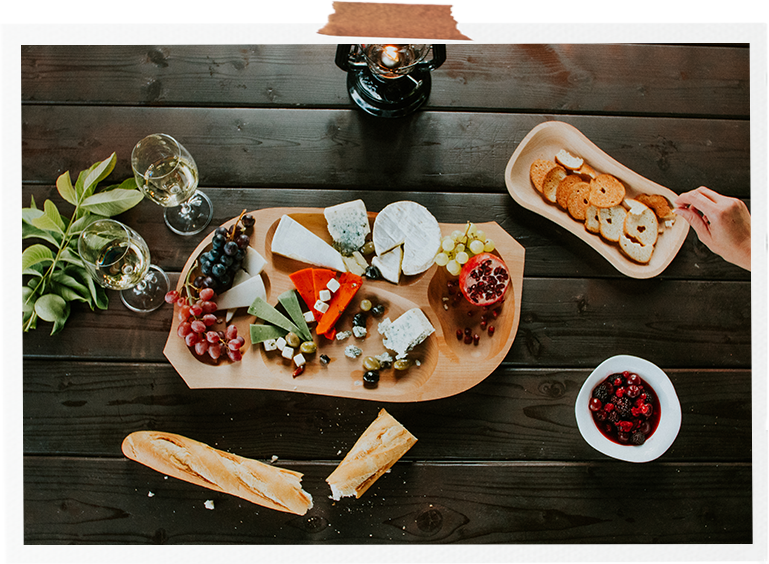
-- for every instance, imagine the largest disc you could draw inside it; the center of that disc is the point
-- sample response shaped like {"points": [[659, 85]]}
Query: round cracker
{"points": [[606, 191], [578, 200], [564, 189], [538, 170], [657, 202]]}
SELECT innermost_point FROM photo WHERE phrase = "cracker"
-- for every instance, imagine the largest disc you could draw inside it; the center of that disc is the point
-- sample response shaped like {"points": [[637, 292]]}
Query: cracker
{"points": [[569, 161], [592, 220], [578, 200], [612, 222], [538, 170], [657, 202], [564, 190], [552, 180], [642, 227]]}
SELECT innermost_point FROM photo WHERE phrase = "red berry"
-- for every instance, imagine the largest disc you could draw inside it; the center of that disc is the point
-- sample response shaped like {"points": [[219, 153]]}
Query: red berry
{"points": [[618, 381], [206, 294], [633, 391], [595, 404], [608, 407], [619, 392]]}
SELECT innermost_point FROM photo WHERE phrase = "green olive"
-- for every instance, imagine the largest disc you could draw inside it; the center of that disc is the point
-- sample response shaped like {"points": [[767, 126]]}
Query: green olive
{"points": [[308, 347], [371, 363], [402, 364], [367, 248], [292, 340], [365, 305]]}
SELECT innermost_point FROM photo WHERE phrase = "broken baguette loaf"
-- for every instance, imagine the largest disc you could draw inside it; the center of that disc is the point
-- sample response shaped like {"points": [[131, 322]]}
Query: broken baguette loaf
{"points": [[380, 446], [202, 465]]}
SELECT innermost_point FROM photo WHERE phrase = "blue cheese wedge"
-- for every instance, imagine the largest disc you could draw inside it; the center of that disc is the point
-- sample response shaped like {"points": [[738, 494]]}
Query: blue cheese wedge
{"points": [[412, 225], [295, 241], [348, 225], [406, 332]]}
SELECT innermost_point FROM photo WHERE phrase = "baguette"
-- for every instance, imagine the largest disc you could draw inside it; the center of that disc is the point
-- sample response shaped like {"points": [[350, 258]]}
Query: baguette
{"points": [[202, 465], [380, 446]]}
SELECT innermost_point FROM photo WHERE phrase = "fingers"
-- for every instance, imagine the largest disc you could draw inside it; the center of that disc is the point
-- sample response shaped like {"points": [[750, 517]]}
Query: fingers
{"points": [[698, 223]]}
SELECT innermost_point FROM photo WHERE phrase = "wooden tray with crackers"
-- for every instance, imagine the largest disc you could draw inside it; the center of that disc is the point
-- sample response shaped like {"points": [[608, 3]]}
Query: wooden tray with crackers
{"points": [[560, 174]]}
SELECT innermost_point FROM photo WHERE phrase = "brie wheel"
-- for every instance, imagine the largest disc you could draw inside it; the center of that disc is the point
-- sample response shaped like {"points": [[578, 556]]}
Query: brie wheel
{"points": [[413, 226]]}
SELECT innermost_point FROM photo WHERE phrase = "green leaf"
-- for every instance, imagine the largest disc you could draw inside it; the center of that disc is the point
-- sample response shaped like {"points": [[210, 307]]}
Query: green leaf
{"points": [[70, 257], [113, 202], [65, 188], [34, 255], [27, 303], [51, 307], [32, 203], [87, 219], [99, 294], [29, 231], [50, 220], [69, 294], [98, 172]]}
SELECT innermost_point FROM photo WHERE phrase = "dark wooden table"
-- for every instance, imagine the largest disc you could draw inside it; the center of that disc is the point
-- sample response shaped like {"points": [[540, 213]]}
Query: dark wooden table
{"points": [[272, 125]]}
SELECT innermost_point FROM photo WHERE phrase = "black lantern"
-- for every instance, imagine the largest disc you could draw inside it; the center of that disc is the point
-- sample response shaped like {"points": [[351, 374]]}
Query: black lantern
{"points": [[389, 80]]}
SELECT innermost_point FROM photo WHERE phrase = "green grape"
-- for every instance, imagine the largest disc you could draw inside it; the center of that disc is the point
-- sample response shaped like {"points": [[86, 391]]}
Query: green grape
{"points": [[476, 246], [455, 235], [447, 244], [441, 259], [459, 248], [480, 235], [462, 257], [453, 267], [488, 246], [472, 230]]}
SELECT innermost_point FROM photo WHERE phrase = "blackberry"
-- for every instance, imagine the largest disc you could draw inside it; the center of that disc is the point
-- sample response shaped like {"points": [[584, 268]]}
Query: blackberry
{"points": [[649, 397], [638, 438], [601, 393], [622, 406]]}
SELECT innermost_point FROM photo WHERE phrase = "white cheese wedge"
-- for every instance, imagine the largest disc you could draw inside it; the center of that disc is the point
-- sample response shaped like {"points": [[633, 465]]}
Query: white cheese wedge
{"points": [[407, 332], [295, 241], [348, 225], [242, 295], [240, 277], [413, 226], [389, 264], [253, 263]]}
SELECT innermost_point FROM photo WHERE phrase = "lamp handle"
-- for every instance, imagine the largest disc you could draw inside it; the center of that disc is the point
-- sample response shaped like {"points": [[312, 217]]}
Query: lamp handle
{"points": [[439, 57]]}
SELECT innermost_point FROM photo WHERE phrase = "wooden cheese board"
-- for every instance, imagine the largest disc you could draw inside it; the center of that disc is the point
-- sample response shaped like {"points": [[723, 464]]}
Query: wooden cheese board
{"points": [[544, 142], [446, 365]]}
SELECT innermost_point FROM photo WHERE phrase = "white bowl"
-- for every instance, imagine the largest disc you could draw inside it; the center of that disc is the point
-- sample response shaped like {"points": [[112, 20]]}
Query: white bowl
{"points": [[670, 410]]}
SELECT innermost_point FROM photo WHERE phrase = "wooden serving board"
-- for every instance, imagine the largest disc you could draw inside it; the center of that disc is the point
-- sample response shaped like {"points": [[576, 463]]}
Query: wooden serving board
{"points": [[447, 366], [543, 142]]}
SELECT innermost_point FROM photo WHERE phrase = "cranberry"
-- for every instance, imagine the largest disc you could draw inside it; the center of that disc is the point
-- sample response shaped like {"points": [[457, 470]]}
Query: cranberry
{"points": [[595, 404]]}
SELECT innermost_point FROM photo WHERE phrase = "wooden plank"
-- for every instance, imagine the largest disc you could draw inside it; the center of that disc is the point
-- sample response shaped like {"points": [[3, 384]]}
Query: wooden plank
{"points": [[550, 250], [87, 501], [342, 149], [87, 408], [573, 78], [569, 322]]}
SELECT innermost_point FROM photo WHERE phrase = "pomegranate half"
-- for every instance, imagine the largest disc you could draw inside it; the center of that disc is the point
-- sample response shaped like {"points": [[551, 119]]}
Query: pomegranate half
{"points": [[484, 279]]}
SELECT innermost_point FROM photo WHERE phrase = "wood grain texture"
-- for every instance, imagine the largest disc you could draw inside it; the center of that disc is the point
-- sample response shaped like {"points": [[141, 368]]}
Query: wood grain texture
{"points": [[571, 78], [87, 408], [345, 149], [86, 501], [550, 250]]}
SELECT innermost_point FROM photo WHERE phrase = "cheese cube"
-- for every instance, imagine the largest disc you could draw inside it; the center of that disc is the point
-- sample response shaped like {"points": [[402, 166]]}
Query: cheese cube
{"points": [[280, 343], [309, 317], [270, 344], [288, 352], [299, 360], [324, 295], [321, 306], [333, 285]]}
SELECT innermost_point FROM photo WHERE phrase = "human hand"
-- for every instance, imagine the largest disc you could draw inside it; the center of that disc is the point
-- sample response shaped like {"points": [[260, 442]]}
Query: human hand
{"points": [[721, 223]]}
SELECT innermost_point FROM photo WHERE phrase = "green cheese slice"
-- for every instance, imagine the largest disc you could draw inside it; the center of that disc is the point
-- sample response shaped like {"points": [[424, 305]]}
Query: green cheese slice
{"points": [[290, 301], [262, 310], [261, 333]]}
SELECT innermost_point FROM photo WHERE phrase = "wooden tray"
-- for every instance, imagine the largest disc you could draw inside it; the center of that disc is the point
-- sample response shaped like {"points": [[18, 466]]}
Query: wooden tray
{"points": [[447, 366], [543, 142]]}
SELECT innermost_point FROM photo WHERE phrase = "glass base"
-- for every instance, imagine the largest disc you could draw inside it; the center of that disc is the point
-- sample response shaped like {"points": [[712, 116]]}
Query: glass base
{"points": [[192, 217], [149, 294]]}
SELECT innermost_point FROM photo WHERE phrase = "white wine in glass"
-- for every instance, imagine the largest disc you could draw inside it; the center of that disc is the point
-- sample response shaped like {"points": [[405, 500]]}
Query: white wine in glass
{"points": [[117, 257], [167, 174]]}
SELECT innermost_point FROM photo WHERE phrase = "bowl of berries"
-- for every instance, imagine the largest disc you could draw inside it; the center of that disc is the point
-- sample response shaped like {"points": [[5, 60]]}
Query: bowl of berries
{"points": [[628, 409]]}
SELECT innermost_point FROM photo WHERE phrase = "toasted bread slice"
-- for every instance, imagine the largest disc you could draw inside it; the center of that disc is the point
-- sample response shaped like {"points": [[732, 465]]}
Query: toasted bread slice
{"points": [[642, 227], [658, 203], [633, 249], [568, 161], [587, 172], [578, 200], [592, 219], [564, 190], [606, 191], [538, 170], [612, 222], [552, 180]]}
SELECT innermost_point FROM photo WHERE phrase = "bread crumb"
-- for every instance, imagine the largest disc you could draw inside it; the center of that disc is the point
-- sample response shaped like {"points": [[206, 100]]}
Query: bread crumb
{"points": [[150, 494], [209, 504]]}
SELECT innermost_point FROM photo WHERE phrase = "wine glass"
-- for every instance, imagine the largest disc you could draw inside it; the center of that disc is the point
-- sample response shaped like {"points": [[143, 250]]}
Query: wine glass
{"points": [[118, 258], [167, 174]]}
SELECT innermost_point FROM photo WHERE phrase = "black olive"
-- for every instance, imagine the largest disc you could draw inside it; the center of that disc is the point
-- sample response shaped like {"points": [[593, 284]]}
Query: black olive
{"points": [[370, 378], [373, 273], [378, 310], [359, 320]]}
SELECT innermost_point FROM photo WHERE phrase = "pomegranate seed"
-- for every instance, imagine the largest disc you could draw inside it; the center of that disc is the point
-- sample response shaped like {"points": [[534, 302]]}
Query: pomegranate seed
{"points": [[460, 334], [491, 329], [468, 339], [476, 338]]}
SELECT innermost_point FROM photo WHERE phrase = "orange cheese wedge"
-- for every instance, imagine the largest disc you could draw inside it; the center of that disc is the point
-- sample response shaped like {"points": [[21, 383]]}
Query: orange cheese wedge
{"points": [[349, 284]]}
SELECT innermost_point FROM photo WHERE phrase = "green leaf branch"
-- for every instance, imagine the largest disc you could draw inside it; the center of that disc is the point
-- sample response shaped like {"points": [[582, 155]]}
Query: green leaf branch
{"points": [[57, 275]]}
